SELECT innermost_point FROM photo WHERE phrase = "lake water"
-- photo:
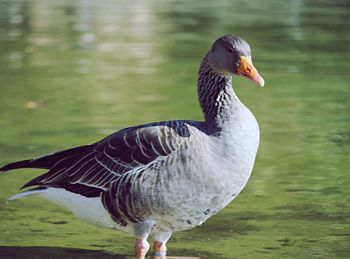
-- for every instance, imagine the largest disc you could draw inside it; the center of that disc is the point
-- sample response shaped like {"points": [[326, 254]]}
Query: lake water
{"points": [[72, 72]]}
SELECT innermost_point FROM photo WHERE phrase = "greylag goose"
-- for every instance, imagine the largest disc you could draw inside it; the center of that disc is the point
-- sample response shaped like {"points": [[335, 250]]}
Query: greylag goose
{"points": [[165, 176]]}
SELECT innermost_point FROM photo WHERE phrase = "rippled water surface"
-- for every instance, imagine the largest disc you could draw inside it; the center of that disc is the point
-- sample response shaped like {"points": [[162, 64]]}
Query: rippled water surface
{"points": [[72, 72]]}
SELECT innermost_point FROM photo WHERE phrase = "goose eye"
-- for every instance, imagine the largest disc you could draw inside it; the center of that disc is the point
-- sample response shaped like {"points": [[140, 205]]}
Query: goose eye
{"points": [[230, 50]]}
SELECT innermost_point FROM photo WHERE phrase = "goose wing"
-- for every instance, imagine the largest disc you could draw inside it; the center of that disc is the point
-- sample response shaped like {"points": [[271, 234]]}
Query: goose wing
{"points": [[91, 169]]}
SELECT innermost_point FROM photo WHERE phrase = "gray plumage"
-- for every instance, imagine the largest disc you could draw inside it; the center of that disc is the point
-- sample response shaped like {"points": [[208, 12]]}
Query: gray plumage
{"points": [[165, 176]]}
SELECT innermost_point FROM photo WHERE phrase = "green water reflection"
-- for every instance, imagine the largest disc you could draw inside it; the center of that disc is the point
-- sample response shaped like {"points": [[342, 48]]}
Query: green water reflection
{"points": [[72, 72]]}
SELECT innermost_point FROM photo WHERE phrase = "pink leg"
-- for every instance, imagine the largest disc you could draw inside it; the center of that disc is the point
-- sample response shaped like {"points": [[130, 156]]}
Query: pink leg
{"points": [[159, 250], [141, 248], [159, 244]]}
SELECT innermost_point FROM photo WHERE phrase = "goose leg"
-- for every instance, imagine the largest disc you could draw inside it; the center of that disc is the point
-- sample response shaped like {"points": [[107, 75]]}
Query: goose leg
{"points": [[142, 230], [159, 244], [141, 248]]}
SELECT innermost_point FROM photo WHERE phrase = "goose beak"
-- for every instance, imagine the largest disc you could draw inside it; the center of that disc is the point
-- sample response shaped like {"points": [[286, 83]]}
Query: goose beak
{"points": [[247, 69]]}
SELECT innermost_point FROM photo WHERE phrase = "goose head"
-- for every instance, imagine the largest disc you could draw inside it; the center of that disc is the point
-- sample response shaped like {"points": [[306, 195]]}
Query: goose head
{"points": [[231, 55]]}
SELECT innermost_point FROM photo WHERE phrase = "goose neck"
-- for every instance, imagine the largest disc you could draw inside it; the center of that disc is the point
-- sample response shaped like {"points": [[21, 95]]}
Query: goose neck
{"points": [[216, 96]]}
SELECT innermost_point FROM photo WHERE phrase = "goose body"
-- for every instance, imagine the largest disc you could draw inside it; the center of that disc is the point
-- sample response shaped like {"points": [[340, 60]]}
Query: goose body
{"points": [[161, 177]]}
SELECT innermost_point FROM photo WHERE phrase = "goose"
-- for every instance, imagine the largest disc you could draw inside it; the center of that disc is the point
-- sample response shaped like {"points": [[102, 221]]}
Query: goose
{"points": [[158, 178]]}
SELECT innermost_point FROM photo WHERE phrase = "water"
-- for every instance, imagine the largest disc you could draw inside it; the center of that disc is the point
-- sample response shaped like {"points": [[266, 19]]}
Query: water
{"points": [[72, 72]]}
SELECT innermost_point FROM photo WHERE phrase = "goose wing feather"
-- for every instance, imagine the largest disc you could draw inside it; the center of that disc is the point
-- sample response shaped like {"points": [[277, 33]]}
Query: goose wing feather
{"points": [[90, 172]]}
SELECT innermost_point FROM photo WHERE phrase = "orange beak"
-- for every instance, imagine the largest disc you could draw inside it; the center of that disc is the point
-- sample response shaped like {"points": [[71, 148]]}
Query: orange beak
{"points": [[247, 69]]}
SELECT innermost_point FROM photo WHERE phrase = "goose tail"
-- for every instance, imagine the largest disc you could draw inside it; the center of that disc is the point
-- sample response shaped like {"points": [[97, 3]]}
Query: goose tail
{"points": [[46, 161], [28, 192]]}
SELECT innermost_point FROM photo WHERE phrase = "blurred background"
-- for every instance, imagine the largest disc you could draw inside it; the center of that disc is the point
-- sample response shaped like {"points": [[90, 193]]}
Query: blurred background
{"points": [[73, 71]]}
